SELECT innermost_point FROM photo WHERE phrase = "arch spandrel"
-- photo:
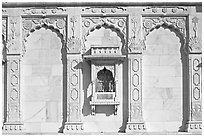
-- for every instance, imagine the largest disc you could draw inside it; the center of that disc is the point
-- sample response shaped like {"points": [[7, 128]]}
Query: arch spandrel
{"points": [[116, 24], [55, 24], [174, 24]]}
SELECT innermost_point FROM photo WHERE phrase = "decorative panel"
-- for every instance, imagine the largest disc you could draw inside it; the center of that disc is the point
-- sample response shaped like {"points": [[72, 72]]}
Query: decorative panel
{"points": [[73, 93], [195, 122], [135, 120], [13, 90]]}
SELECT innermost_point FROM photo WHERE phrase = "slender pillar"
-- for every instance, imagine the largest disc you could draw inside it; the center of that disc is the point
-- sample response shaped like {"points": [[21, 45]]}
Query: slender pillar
{"points": [[12, 110]]}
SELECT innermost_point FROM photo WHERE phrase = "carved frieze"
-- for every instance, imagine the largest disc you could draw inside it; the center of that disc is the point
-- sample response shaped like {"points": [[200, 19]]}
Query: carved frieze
{"points": [[165, 10], [104, 10], [35, 11], [32, 24]]}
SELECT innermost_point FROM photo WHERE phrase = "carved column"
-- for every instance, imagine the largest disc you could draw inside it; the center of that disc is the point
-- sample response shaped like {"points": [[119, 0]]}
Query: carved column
{"points": [[12, 115], [195, 73], [74, 81]]}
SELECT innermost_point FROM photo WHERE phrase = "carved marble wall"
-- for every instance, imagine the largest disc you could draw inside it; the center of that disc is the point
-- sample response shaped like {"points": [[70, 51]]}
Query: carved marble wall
{"points": [[73, 24]]}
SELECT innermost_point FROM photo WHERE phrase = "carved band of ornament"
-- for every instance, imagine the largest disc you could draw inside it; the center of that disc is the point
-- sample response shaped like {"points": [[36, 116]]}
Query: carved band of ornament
{"points": [[30, 11], [104, 10], [165, 9], [29, 24], [150, 23]]}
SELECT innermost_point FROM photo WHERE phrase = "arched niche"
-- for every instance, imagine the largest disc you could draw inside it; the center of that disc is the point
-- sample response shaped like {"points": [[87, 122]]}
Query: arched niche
{"points": [[115, 24], [42, 79], [164, 79]]}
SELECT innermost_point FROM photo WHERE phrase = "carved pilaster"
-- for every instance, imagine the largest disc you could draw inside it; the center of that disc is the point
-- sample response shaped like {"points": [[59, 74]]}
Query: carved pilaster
{"points": [[195, 117], [195, 73], [74, 87], [135, 119], [12, 119]]}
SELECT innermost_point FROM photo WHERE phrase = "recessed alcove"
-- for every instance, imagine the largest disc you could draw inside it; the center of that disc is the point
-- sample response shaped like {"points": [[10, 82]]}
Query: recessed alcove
{"points": [[42, 79], [162, 81]]}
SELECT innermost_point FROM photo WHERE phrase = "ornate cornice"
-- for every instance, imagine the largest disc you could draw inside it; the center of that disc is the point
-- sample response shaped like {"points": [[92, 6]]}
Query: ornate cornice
{"points": [[44, 11]]}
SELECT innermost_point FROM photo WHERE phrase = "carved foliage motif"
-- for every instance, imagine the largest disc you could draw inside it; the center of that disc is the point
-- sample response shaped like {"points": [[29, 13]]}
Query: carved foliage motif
{"points": [[74, 45], [12, 40], [13, 111], [35, 11], [104, 10], [30, 24], [135, 45], [136, 112], [150, 23], [195, 42], [165, 10], [197, 112]]}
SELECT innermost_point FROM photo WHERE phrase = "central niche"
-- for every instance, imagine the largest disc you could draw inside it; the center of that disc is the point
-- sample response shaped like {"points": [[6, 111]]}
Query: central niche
{"points": [[105, 81]]}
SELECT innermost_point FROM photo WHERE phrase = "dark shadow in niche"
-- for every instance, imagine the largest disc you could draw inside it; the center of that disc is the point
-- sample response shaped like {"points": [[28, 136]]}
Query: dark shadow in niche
{"points": [[185, 72], [86, 71], [64, 95], [4, 68], [125, 97], [105, 109]]}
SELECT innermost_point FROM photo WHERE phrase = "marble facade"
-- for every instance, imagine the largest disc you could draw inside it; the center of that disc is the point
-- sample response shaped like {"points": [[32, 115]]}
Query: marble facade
{"points": [[53, 55]]}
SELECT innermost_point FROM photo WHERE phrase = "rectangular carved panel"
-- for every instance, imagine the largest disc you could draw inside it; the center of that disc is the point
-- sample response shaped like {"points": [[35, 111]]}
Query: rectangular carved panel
{"points": [[73, 88], [13, 89]]}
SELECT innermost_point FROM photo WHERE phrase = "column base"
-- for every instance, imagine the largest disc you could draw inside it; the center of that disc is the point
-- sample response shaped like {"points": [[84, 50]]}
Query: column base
{"points": [[135, 127], [10, 128], [73, 127], [194, 126]]}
